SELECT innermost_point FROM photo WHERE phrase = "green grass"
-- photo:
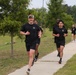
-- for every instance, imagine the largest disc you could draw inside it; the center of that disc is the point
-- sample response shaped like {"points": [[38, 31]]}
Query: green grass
{"points": [[69, 68], [8, 64]]}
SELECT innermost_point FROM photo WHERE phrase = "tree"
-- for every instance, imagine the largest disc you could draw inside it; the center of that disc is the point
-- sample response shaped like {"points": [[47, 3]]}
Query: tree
{"points": [[55, 12], [68, 20], [12, 28], [13, 16], [71, 10]]}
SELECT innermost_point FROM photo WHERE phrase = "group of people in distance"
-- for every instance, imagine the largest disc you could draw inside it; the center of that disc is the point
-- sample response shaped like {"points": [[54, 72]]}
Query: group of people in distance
{"points": [[33, 34]]}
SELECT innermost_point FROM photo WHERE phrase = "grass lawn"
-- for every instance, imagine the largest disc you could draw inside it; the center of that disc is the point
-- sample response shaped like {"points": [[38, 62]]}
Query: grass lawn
{"points": [[69, 68], [8, 64]]}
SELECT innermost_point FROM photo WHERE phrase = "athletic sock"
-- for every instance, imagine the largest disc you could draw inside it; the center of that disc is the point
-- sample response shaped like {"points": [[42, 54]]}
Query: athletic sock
{"points": [[60, 61], [58, 54], [36, 56]]}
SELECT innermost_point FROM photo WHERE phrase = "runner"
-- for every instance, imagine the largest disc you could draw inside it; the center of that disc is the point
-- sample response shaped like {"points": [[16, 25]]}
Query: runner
{"points": [[60, 33], [32, 32], [73, 30], [54, 28], [37, 44]]}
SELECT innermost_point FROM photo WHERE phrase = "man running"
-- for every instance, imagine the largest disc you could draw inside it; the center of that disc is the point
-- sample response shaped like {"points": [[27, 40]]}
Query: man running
{"points": [[60, 33], [37, 44], [54, 28], [32, 33]]}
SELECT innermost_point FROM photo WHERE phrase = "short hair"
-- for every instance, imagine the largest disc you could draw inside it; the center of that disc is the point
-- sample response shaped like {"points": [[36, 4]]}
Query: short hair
{"points": [[60, 21]]}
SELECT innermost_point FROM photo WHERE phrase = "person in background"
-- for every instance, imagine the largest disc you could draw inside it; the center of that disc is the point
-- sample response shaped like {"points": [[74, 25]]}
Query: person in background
{"points": [[37, 44], [73, 31], [54, 28], [60, 33]]}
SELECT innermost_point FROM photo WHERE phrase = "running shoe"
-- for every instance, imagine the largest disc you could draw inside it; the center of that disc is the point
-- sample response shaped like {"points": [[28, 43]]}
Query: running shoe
{"points": [[36, 57], [58, 55], [28, 71], [60, 61]]}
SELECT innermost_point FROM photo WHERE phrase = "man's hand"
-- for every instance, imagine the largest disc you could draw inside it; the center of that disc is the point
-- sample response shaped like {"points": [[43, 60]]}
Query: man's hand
{"points": [[57, 35], [65, 35], [39, 35], [27, 33]]}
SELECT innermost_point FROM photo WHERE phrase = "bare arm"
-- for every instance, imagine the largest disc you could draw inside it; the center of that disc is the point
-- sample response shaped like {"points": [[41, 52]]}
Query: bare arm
{"points": [[56, 35], [65, 35], [23, 33], [39, 34]]}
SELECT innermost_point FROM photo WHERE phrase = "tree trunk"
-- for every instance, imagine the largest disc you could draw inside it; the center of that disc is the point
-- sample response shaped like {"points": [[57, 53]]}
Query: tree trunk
{"points": [[12, 45]]}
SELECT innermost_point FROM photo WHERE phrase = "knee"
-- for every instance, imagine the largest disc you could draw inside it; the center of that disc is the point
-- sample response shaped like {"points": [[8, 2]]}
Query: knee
{"points": [[61, 50], [31, 55]]}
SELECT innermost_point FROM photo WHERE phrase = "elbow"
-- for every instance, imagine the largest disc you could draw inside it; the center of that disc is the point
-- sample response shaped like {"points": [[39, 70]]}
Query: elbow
{"points": [[20, 32], [53, 34]]}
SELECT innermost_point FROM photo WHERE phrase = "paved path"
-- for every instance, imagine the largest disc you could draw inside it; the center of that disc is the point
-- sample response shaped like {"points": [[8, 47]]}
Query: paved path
{"points": [[48, 64]]}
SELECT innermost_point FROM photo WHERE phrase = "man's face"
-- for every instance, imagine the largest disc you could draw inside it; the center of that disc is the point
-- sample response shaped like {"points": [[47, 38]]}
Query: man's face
{"points": [[31, 20], [61, 24]]}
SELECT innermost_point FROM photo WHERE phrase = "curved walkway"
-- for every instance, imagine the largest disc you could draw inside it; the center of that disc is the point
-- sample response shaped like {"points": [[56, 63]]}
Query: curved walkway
{"points": [[48, 64]]}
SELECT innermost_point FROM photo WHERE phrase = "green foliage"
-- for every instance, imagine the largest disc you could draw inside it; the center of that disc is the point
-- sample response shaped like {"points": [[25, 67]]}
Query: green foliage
{"points": [[68, 20], [71, 10], [58, 11], [55, 12], [14, 14], [69, 68], [12, 17], [16, 9], [10, 26]]}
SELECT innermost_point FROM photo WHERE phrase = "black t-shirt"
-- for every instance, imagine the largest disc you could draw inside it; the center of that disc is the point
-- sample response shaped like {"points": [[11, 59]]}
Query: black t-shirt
{"points": [[73, 30], [61, 32], [33, 29], [41, 30], [54, 28]]}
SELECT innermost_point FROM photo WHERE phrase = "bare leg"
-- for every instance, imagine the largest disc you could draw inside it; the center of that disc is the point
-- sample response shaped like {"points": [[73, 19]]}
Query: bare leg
{"points": [[58, 49], [36, 52], [61, 53], [31, 54], [73, 37]]}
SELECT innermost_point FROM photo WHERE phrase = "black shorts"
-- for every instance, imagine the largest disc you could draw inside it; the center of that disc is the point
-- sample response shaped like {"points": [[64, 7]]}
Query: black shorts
{"points": [[38, 41], [31, 45], [60, 44]]}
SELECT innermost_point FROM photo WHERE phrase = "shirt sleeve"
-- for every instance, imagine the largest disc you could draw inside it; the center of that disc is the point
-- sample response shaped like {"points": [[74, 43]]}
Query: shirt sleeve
{"points": [[23, 28], [54, 30], [41, 29], [38, 28], [66, 32]]}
